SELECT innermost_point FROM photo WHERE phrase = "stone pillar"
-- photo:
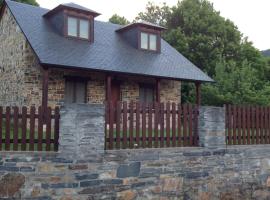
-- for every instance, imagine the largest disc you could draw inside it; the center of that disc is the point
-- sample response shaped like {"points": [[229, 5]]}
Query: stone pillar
{"points": [[211, 127], [82, 128]]}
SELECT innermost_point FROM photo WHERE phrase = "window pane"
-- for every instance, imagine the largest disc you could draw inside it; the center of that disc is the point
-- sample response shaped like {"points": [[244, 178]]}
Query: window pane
{"points": [[146, 93], [153, 42], [72, 26], [144, 40], [84, 29]]}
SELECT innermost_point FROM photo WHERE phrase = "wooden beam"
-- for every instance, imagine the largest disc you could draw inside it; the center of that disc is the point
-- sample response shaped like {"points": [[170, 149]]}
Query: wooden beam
{"points": [[198, 93], [109, 88], [45, 83], [157, 90]]}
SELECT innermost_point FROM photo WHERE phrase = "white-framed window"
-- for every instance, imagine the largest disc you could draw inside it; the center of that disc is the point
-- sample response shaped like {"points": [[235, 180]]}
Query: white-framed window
{"points": [[149, 41], [77, 27]]}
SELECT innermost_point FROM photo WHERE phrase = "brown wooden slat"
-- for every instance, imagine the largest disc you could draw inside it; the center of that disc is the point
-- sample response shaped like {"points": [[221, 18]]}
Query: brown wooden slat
{"points": [[48, 128], [168, 125], [24, 123], [125, 125], [118, 123], [7, 142], [190, 122], [32, 128], [131, 145], [40, 128], [161, 121], [185, 124], [56, 128], [257, 125], [248, 124], [253, 125], [173, 124], [150, 128], [239, 125], [234, 124], [179, 125], [262, 126], [1, 127], [111, 121], [156, 124], [137, 124], [143, 125], [265, 125], [229, 123], [15, 130], [244, 124]]}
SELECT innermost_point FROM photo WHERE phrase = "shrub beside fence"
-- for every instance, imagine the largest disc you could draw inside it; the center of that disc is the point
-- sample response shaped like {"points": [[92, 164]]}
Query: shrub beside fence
{"points": [[23, 129], [148, 125], [247, 125]]}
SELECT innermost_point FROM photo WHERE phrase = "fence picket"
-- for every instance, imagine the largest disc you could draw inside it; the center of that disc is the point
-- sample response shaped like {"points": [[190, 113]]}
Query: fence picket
{"points": [[1, 127], [131, 113], [137, 124], [24, 126], [156, 124], [111, 121], [118, 121], [190, 122], [7, 135], [244, 124], [185, 124], [15, 129], [143, 125], [32, 128], [56, 128], [162, 113], [248, 124], [150, 122], [168, 125], [124, 125], [48, 129], [40, 128], [179, 125], [173, 125]]}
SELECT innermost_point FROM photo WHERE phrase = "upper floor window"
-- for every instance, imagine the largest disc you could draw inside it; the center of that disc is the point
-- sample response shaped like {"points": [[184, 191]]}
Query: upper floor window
{"points": [[77, 27], [149, 41]]}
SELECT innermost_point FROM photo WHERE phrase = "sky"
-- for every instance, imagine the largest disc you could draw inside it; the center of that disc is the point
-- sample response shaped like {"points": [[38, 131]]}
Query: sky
{"points": [[251, 16]]}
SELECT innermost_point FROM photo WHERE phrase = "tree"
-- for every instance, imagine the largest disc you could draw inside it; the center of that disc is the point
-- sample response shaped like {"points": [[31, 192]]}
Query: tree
{"points": [[116, 19], [31, 2], [155, 14]]}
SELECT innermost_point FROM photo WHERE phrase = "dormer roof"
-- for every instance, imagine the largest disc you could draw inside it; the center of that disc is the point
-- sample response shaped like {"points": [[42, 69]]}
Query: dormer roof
{"points": [[74, 7], [141, 24]]}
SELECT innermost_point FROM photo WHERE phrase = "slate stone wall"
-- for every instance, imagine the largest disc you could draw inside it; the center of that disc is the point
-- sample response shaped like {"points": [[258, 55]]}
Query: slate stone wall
{"points": [[176, 173]]}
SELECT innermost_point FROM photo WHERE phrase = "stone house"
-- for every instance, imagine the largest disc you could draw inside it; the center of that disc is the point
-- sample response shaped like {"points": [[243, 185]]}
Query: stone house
{"points": [[64, 55]]}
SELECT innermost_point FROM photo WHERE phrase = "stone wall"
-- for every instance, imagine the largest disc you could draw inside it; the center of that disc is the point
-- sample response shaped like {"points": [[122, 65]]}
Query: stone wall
{"points": [[179, 173]]}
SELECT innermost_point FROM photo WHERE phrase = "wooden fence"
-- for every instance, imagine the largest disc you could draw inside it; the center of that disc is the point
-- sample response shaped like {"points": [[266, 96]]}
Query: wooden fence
{"points": [[148, 125], [23, 129], [247, 125]]}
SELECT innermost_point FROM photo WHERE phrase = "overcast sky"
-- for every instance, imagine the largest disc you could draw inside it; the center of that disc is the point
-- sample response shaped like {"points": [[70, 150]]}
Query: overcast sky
{"points": [[251, 16]]}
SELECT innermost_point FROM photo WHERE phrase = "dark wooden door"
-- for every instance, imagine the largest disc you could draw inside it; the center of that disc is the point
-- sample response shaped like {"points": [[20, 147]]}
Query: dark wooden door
{"points": [[115, 92]]}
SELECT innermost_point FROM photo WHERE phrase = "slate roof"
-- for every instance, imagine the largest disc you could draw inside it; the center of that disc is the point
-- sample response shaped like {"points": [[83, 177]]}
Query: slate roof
{"points": [[109, 52]]}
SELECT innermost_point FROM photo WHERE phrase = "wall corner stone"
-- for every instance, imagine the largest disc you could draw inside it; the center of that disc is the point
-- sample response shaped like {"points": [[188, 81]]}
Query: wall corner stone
{"points": [[211, 128]]}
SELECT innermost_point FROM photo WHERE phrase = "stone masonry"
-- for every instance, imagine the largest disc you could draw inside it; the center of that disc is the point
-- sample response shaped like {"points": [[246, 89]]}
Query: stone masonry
{"points": [[21, 75]]}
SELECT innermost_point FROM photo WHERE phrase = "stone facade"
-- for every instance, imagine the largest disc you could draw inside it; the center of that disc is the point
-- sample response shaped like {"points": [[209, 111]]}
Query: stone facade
{"points": [[21, 75], [239, 172]]}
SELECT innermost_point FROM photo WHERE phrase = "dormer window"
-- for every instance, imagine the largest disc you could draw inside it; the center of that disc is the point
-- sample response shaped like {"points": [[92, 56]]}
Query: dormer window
{"points": [[73, 21], [78, 28], [148, 41]]}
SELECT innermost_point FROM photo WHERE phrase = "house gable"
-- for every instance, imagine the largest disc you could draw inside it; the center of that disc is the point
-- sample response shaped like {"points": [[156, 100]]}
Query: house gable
{"points": [[19, 66]]}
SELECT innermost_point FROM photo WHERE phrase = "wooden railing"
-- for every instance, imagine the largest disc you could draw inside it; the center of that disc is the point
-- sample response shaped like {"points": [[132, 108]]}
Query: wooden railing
{"points": [[23, 129], [247, 125], [148, 125]]}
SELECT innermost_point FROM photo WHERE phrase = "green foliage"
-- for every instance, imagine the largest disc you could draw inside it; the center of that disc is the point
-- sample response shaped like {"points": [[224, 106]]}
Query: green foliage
{"points": [[31, 2], [155, 14], [214, 44], [116, 19]]}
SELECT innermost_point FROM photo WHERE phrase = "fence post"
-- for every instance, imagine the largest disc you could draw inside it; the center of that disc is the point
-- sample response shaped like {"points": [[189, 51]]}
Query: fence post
{"points": [[211, 127]]}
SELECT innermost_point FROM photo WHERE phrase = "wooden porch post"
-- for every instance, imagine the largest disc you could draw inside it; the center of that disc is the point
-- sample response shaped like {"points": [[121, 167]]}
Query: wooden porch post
{"points": [[109, 88], [158, 90], [45, 83], [198, 93]]}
